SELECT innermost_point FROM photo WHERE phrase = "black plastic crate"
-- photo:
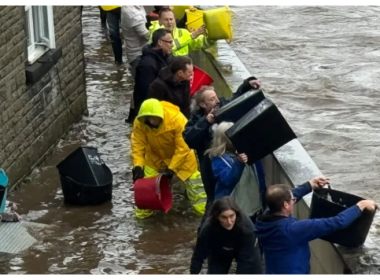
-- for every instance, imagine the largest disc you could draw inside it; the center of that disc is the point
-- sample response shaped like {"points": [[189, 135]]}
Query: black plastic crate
{"points": [[85, 178], [260, 132], [328, 203], [238, 107]]}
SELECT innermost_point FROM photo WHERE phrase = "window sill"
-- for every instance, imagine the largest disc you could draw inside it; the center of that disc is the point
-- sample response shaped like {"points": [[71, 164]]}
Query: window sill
{"points": [[37, 54], [42, 66]]}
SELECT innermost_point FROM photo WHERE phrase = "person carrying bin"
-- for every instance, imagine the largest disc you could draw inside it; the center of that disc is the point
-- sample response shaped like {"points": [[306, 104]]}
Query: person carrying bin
{"points": [[158, 147], [184, 40], [284, 239], [198, 132], [233, 175]]}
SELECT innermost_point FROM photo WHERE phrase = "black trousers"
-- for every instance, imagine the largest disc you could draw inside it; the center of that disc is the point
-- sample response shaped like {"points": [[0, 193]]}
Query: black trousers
{"points": [[222, 264], [103, 16], [209, 183]]}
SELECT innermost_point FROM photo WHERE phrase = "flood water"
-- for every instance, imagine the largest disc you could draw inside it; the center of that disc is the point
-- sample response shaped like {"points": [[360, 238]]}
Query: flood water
{"points": [[319, 64], [104, 239]]}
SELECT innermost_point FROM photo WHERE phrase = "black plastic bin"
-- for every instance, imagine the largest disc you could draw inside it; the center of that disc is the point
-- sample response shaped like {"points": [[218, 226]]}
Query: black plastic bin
{"points": [[238, 107], [85, 178], [321, 207], [260, 132]]}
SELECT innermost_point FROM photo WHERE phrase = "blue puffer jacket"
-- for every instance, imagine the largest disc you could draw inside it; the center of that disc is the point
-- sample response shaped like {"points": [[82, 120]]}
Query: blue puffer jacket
{"points": [[228, 175]]}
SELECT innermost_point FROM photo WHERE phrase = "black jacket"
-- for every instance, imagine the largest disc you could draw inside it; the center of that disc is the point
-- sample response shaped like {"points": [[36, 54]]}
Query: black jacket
{"points": [[198, 136], [216, 242], [151, 62], [166, 88]]}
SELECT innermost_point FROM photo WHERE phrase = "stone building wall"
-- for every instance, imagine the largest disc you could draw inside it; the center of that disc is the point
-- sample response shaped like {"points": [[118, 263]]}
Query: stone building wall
{"points": [[38, 102]]}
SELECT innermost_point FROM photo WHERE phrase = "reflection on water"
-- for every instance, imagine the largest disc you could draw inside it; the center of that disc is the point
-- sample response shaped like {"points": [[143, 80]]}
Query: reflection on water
{"points": [[105, 239]]}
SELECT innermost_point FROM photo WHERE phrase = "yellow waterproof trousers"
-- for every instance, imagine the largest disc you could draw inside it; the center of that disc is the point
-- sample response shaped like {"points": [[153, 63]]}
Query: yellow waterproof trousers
{"points": [[194, 190]]}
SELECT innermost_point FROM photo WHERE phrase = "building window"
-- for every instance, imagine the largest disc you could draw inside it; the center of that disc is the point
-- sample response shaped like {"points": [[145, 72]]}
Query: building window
{"points": [[39, 31]]}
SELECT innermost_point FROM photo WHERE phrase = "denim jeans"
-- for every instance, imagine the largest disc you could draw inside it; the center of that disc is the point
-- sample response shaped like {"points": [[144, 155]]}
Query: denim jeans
{"points": [[113, 20]]}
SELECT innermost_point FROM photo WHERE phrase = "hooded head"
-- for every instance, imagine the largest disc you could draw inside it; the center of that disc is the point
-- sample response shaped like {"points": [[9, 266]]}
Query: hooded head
{"points": [[151, 113]]}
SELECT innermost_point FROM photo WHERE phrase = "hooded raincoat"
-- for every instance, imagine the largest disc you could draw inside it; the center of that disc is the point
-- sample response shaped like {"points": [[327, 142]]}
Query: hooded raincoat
{"points": [[152, 146]]}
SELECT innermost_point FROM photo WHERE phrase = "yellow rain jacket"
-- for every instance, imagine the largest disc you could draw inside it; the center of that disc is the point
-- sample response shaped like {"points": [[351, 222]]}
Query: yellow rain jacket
{"points": [[109, 8], [151, 146], [183, 42]]}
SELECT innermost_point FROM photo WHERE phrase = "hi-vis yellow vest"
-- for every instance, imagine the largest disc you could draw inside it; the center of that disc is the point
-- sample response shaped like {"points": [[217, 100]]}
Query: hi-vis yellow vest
{"points": [[182, 40], [109, 8]]}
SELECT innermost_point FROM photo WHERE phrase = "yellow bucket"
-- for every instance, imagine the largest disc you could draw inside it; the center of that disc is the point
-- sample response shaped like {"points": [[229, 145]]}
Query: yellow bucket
{"points": [[218, 23], [194, 19], [109, 8], [179, 11]]}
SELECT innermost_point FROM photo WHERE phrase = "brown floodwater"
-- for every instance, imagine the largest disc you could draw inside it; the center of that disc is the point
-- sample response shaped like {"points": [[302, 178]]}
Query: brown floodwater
{"points": [[319, 64], [105, 239]]}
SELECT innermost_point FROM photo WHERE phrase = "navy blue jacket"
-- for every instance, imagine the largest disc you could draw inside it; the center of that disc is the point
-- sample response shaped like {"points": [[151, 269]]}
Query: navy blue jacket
{"points": [[226, 176], [285, 240], [198, 136]]}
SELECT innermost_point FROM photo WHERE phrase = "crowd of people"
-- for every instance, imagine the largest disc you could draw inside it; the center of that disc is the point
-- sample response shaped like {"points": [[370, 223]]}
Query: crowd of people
{"points": [[174, 134]]}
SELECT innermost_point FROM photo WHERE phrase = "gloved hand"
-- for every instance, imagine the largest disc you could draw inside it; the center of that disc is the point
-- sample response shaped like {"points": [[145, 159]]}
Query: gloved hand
{"points": [[137, 173], [168, 173]]}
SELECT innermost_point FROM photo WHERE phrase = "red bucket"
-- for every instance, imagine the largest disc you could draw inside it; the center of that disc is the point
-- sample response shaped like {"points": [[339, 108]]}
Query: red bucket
{"points": [[153, 15], [153, 193], [200, 78]]}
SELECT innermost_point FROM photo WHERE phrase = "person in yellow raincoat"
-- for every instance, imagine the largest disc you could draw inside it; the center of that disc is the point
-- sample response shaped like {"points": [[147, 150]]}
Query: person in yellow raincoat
{"points": [[184, 41], [158, 147]]}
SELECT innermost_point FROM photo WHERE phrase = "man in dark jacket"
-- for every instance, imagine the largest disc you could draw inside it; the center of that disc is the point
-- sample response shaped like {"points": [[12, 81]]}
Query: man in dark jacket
{"points": [[154, 57], [173, 85], [198, 134], [285, 240]]}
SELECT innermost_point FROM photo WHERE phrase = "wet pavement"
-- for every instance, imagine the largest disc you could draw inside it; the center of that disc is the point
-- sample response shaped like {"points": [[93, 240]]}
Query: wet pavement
{"points": [[105, 239]]}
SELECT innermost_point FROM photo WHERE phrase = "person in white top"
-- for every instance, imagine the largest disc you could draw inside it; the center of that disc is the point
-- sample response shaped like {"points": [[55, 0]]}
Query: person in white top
{"points": [[135, 34]]}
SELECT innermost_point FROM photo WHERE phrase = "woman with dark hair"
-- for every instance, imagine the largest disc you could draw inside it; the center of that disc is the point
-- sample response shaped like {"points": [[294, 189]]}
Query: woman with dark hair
{"points": [[227, 234]]}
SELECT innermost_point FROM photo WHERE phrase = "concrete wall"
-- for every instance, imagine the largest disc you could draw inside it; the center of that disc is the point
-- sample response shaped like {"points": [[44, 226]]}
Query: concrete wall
{"points": [[33, 117]]}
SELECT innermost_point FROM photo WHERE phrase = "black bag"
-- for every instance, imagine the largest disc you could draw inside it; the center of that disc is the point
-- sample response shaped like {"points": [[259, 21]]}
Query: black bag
{"points": [[260, 132], [238, 107], [85, 178]]}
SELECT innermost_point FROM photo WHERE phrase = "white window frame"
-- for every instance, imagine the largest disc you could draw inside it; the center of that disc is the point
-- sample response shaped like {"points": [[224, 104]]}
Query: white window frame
{"points": [[39, 46]]}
